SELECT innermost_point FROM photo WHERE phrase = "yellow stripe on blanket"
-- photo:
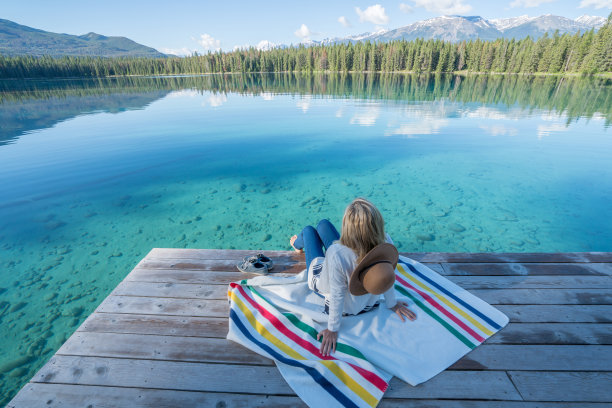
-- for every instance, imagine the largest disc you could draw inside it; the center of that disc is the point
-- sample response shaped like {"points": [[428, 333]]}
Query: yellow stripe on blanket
{"points": [[446, 301], [331, 365]]}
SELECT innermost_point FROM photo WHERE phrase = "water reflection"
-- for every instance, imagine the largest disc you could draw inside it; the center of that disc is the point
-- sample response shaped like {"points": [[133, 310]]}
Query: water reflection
{"points": [[30, 105]]}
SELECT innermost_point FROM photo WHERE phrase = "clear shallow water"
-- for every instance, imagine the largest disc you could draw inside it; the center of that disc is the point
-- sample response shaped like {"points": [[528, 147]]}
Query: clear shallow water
{"points": [[95, 173]]}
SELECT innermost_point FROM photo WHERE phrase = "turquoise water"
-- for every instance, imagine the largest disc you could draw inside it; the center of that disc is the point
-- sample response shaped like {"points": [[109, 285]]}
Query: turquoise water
{"points": [[95, 173]]}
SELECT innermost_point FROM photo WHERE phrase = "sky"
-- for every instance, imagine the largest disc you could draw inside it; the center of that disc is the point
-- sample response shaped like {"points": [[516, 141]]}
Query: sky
{"points": [[182, 27]]}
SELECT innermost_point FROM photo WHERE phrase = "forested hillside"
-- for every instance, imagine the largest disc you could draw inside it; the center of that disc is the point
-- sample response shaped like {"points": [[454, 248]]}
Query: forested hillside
{"points": [[589, 52]]}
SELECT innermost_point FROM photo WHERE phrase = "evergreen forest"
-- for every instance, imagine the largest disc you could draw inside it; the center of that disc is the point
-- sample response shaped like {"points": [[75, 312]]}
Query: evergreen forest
{"points": [[586, 53]]}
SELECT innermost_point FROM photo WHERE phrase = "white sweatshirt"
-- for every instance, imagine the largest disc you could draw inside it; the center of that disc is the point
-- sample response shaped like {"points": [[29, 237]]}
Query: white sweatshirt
{"points": [[337, 266]]}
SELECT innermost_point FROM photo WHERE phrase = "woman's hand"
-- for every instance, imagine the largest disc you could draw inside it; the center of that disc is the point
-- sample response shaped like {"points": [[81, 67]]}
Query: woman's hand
{"points": [[329, 341], [401, 308]]}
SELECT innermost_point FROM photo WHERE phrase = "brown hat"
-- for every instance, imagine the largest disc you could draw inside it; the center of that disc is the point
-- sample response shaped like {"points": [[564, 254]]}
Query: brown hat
{"points": [[376, 272]]}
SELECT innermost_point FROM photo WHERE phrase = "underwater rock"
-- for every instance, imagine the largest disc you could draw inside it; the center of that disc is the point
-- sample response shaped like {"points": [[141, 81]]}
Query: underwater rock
{"points": [[54, 224], [198, 218], [18, 306], [239, 188], [425, 237], [439, 213], [50, 296], [9, 365], [267, 237], [19, 372], [477, 229], [504, 215], [2, 290], [265, 191], [90, 214], [75, 311], [456, 227], [95, 252], [216, 228]]}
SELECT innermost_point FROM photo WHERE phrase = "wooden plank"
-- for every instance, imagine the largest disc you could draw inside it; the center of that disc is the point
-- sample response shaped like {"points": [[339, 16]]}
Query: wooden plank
{"points": [[38, 395], [220, 308], [537, 357], [492, 385], [541, 257], [431, 403], [532, 282], [215, 265], [173, 375], [224, 254], [521, 269], [563, 386], [35, 395], [553, 333], [281, 264], [198, 349], [557, 313], [251, 379], [492, 296], [164, 306], [156, 324], [186, 276], [155, 347], [513, 333], [434, 257], [169, 289], [545, 296]]}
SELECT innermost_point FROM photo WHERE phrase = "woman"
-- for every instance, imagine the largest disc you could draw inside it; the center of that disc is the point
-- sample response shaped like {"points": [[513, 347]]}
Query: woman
{"points": [[358, 266]]}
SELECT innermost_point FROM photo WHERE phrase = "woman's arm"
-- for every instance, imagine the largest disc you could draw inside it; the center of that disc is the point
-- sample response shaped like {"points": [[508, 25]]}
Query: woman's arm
{"points": [[338, 286]]}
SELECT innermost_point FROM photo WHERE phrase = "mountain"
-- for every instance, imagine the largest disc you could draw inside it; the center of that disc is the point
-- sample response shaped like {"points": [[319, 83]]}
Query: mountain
{"points": [[17, 39], [459, 28]]}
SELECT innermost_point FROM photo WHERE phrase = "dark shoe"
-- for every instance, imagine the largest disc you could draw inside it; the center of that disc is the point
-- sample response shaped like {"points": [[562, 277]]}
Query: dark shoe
{"points": [[260, 258], [252, 265]]}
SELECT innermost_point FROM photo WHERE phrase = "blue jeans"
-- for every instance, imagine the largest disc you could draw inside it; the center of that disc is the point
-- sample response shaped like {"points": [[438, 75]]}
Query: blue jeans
{"points": [[312, 240]]}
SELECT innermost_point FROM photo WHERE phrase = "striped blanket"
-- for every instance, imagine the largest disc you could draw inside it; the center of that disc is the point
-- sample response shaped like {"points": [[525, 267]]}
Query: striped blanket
{"points": [[279, 317]]}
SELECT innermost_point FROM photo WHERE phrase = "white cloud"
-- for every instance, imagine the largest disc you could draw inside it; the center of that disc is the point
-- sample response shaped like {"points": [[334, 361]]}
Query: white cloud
{"points": [[426, 127], [500, 130], [367, 116], [342, 20], [492, 113], [191, 93], [304, 103], [443, 6], [405, 8], [265, 45], [177, 51], [215, 100], [374, 14], [545, 130], [529, 3], [303, 32], [596, 4], [267, 96], [209, 43]]}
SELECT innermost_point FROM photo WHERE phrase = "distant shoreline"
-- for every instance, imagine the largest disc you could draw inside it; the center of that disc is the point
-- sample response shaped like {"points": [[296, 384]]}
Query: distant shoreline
{"points": [[605, 75]]}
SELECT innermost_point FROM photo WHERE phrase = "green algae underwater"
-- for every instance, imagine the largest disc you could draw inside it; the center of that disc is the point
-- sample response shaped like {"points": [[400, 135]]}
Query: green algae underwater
{"points": [[96, 172]]}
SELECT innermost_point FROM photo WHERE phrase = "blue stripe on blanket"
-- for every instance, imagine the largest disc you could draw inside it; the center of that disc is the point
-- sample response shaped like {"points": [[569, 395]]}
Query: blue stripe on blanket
{"points": [[322, 381], [458, 300]]}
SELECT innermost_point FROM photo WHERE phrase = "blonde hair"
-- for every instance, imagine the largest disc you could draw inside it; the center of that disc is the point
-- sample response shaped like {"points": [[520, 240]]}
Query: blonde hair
{"points": [[363, 227]]}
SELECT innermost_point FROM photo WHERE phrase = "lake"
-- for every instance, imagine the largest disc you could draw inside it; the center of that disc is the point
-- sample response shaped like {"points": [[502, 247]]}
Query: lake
{"points": [[96, 172]]}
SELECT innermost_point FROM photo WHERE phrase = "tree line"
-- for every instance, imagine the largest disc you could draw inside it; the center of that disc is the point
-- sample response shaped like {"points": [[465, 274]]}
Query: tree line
{"points": [[589, 53]]}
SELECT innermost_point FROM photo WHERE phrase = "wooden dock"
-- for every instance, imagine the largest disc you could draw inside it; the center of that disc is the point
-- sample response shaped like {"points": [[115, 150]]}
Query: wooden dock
{"points": [[158, 340]]}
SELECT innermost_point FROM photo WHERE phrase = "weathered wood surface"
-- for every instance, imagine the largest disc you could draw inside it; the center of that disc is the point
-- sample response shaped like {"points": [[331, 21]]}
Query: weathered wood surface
{"points": [[159, 338]]}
